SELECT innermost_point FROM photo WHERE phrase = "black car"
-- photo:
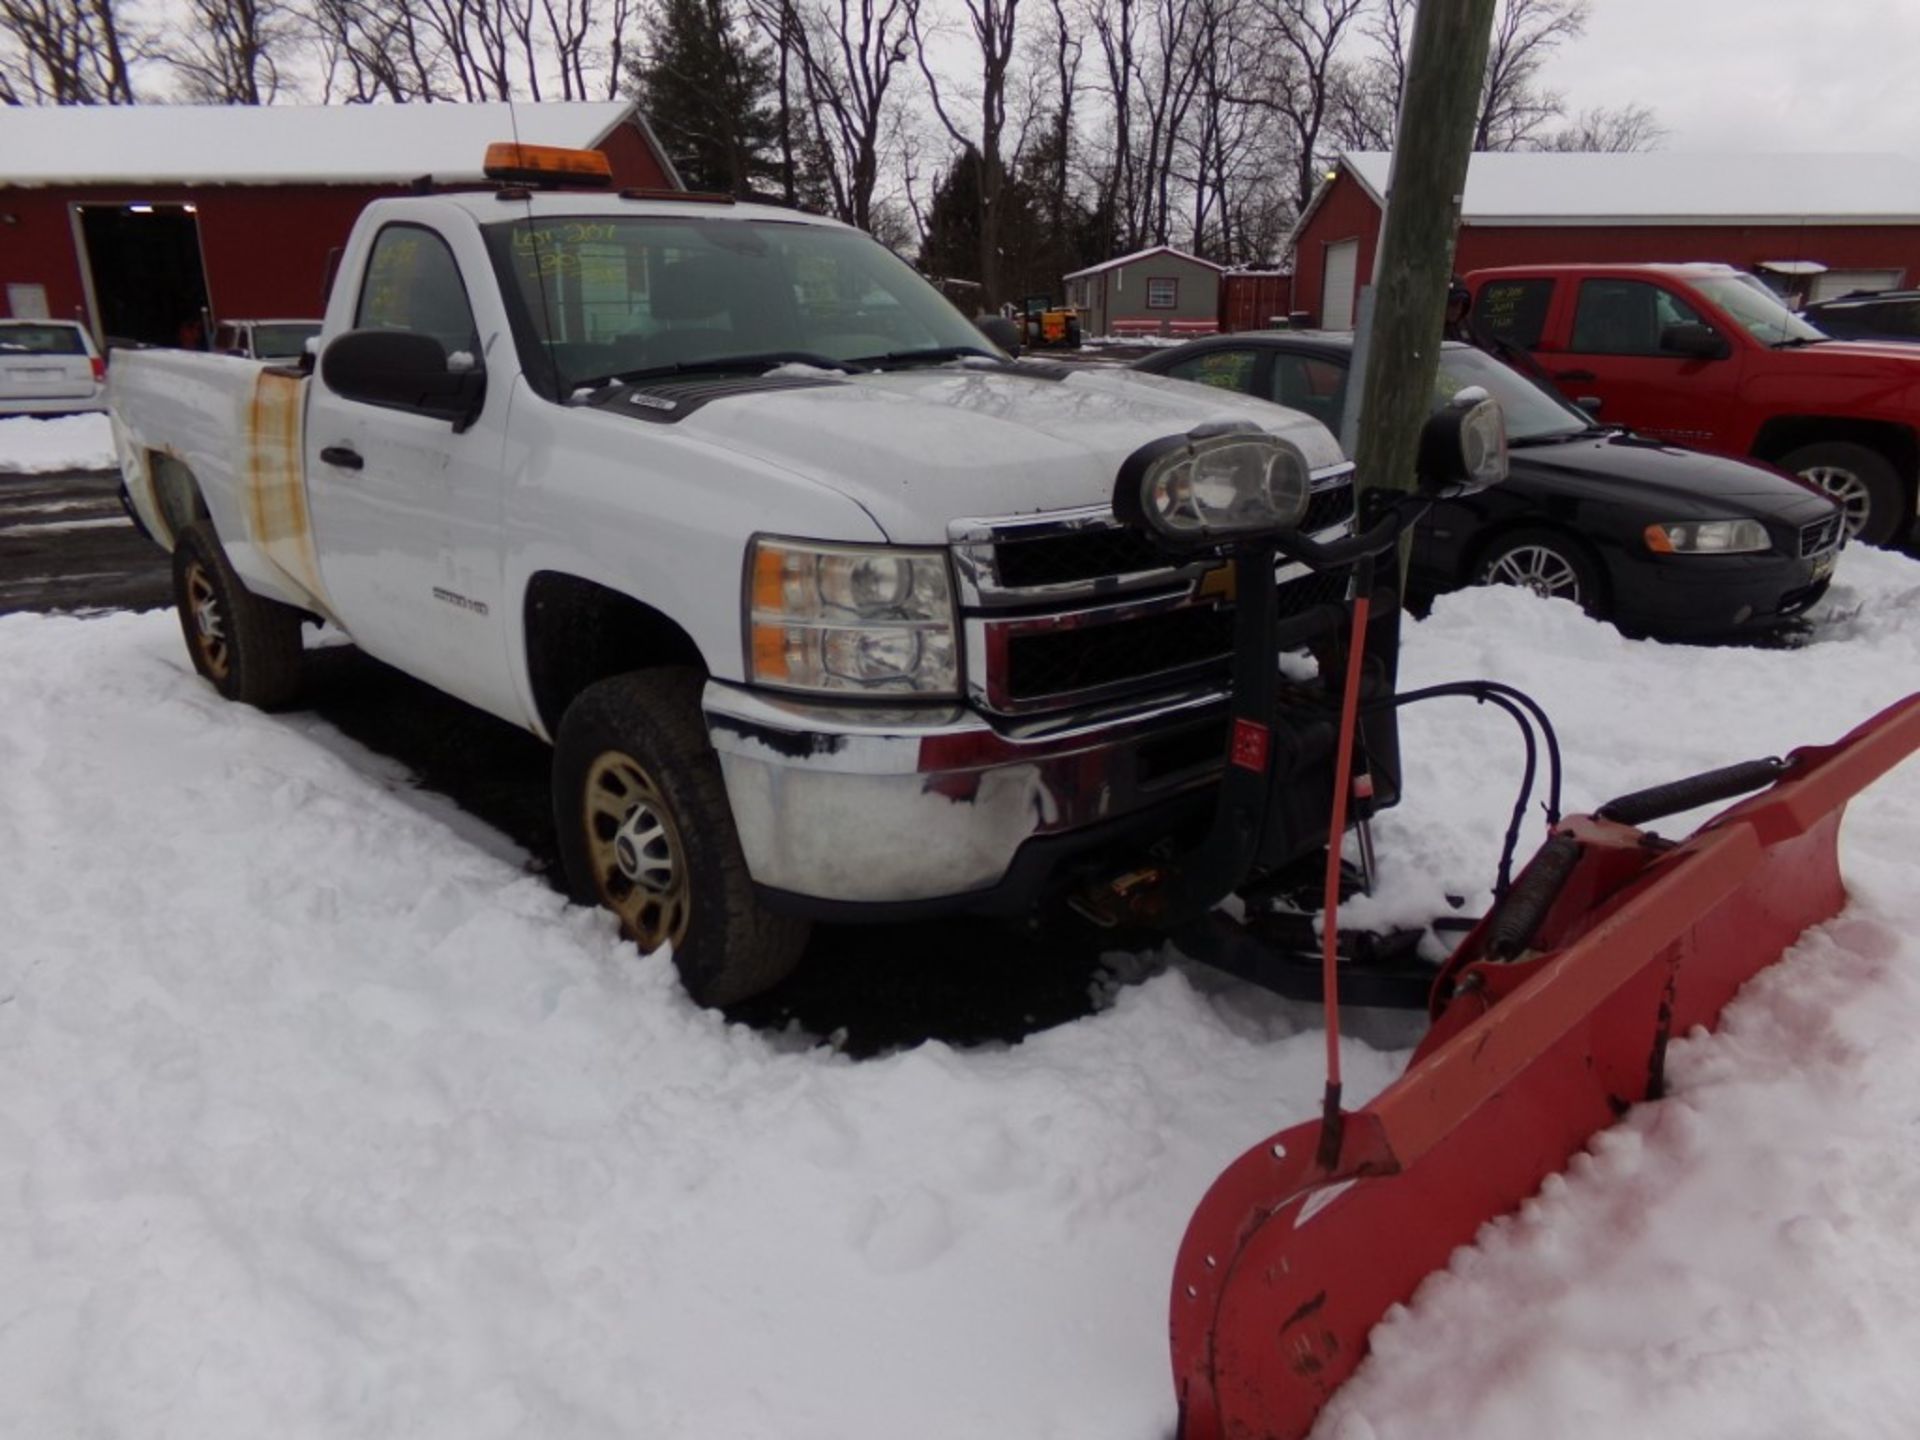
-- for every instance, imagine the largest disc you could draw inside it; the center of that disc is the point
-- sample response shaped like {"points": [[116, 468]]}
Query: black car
{"points": [[1660, 540], [1869, 315]]}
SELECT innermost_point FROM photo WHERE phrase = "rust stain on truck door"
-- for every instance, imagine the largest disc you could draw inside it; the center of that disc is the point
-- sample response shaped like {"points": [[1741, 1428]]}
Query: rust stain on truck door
{"points": [[275, 481]]}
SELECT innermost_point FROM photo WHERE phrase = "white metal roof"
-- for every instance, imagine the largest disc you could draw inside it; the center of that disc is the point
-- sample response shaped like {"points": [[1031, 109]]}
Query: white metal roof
{"points": [[1120, 260], [280, 144], [1671, 188]]}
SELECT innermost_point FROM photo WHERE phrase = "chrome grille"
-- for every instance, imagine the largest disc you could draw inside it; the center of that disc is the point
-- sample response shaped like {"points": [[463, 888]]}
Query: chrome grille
{"points": [[1085, 553], [1071, 609], [1091, 655]]}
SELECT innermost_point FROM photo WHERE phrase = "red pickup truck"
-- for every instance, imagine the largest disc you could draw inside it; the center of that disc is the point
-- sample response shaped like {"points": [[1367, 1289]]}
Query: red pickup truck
{"points": [[1706, 356]]}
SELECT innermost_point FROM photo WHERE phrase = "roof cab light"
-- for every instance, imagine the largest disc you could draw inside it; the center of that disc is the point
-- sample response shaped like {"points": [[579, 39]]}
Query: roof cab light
{"points": [[1213, 484], [1708, 537], [518, 164]]}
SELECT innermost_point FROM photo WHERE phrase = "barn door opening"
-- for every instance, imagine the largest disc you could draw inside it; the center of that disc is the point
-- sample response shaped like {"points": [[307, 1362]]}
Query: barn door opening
{"points": [[146, 284]]}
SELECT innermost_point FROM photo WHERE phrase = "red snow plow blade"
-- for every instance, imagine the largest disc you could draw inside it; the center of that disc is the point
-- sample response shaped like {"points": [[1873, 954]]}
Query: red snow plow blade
{"points": [[1546, 1028]]}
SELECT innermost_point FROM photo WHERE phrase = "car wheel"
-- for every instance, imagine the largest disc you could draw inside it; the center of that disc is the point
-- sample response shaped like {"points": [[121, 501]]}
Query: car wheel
{"points": [[1547, 563], [245, 645], [645, 830], [1862, 481]]}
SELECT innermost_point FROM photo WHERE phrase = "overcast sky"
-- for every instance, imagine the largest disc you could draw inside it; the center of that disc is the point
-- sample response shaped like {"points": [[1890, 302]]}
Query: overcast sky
{"points": [[1755, 74]]}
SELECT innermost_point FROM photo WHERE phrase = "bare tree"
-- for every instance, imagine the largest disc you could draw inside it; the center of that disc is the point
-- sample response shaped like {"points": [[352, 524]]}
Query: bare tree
{"points": [[1632, 127], [382, 50], [847, 53], [67, 52], [229, 52], [994, 27], [1514, 107], [1303, 79]]}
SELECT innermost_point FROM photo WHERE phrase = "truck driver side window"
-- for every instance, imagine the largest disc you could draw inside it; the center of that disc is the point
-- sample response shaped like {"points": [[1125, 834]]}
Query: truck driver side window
{"points": [[413, 284], [1626, 317]]}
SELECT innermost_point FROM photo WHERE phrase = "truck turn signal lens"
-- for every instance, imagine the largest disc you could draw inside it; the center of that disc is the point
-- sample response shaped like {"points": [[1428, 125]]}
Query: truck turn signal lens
{"points": [[544, 164]]}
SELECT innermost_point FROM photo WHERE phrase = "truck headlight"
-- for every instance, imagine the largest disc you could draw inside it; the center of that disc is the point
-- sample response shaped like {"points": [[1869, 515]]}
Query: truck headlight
{"points": [[1708, 537], [850, 618], [1213, 484]]}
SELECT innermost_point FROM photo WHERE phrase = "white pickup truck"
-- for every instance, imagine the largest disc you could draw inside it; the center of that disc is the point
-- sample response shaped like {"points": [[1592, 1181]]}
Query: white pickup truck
{"points": [[818, 596]]}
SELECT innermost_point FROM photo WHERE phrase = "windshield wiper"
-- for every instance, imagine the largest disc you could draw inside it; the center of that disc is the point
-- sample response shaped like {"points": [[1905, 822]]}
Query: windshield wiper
{"points": [[720, 364], [1794, 342], [1559, 437], [931, 355]]}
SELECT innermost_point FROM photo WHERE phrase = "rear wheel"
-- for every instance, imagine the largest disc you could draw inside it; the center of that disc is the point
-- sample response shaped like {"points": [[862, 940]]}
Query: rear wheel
{"points": [[1861, 481], [645, 830], [1547, 563], [246, 646]]}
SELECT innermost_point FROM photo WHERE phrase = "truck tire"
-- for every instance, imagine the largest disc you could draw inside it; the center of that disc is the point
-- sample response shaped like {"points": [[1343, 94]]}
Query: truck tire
{"points": [[1862, 481], [1547, 563], [245, 645], [646, 831]]}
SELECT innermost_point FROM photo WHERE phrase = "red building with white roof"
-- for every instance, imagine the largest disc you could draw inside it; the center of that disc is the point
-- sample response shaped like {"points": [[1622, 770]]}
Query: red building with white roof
{"points": [[1812, 225], [144, 220]]}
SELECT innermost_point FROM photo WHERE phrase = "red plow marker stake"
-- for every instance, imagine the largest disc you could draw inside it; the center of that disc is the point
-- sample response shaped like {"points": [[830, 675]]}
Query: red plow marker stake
{"points": [[1289, 1262]]}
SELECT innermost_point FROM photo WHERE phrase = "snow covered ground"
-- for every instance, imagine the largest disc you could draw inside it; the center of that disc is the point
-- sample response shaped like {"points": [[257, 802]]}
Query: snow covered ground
{"points": [[31, 445], [320, 1118]]}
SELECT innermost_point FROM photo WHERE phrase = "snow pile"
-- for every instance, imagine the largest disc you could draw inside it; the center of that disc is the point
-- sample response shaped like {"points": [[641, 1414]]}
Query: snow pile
{"points": [[319, 1118], [33, 446]]}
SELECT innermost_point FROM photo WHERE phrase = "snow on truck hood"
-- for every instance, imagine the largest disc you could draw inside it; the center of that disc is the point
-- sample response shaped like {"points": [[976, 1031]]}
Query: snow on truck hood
{"points": [[919, 448]]}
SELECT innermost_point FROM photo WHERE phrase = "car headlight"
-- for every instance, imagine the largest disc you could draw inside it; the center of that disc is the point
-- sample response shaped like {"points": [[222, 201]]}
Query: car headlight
{"points": [[1708, 537], [850, 618], [1194, 490]]}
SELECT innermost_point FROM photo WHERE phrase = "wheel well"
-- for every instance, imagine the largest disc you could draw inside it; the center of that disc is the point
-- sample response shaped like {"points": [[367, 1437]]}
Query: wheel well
{"points": [[578, 632], [176, 492], [1476, 553], [1782, 436]]}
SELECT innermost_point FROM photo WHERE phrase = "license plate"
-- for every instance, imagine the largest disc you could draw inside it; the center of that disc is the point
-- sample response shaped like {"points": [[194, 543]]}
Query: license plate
{"points": [[1823, 567]]}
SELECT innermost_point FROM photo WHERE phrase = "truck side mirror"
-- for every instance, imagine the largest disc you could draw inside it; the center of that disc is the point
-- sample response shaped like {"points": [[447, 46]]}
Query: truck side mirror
{"points": [[1001, 331], [400, 370], [1695, 341]]}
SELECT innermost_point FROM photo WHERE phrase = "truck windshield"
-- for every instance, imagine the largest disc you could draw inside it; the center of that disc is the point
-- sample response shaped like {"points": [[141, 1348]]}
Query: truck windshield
{"points": [[1533, 414], [1757, 312], [606, 296]]}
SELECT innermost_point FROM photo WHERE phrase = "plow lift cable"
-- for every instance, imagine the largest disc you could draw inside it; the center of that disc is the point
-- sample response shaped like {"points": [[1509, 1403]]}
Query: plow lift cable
{"points": [[1332, 1118]]}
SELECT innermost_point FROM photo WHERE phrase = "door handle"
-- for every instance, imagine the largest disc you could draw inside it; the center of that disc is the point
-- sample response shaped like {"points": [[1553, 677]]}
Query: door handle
{"points": [[345, 456], [1574, 375]]}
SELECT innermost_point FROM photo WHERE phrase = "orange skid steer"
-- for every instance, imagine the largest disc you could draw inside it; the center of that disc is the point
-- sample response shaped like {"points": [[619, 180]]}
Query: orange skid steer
{"points": [[1549, 1021]]}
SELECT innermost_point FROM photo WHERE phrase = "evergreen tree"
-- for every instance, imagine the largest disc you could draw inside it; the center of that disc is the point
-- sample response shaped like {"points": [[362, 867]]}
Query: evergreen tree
{"points": [[709, 95]]}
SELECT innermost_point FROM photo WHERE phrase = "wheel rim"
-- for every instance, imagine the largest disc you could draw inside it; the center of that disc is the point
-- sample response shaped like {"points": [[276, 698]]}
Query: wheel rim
{"points": [[1848, 489], [639, 862], [1537, 568], [209, 625]]}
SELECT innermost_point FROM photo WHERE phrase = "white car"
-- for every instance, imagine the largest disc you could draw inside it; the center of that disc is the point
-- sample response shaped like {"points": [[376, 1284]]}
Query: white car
{"points": [[820, 597], [49, 367], [275, 341]]}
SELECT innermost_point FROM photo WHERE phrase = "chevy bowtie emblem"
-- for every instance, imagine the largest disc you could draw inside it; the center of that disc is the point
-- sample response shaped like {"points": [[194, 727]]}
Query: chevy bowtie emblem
{"points": [[1220, 583]]}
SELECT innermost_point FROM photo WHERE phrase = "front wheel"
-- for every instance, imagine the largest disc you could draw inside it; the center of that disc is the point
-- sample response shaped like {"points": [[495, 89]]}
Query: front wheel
{"points": [[645, 830], [1548, 564], [245, 645], [1861, 481]]}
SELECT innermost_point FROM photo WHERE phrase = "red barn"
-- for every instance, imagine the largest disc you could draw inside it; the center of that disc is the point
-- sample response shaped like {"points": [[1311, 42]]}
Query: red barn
{"points": [[1811, 225], [146, 220]]}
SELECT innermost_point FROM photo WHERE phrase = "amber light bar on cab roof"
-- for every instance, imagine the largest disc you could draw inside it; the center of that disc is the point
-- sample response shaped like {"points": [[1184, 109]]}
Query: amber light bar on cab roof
{"points": [[514, 163]]}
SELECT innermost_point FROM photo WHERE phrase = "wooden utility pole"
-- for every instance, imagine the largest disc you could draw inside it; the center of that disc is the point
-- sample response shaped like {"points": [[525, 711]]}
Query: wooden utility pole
{"points": [[1415, 262]]}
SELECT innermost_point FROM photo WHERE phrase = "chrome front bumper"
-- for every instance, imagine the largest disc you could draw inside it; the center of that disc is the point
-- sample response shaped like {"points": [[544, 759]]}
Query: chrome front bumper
{"points": [[854, 805]]}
